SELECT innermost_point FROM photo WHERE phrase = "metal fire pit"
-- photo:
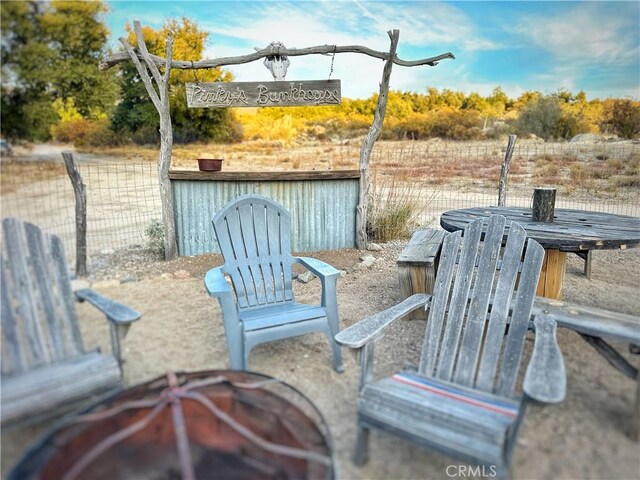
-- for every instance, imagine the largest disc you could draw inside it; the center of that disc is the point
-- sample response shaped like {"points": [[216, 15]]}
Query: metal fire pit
{"points": [[213, 424]]}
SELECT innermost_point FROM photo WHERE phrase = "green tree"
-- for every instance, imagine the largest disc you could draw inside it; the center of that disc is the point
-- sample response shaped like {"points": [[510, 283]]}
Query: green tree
{"points": [[136, 114], [51, 51], [540, 117], [623, 117]]}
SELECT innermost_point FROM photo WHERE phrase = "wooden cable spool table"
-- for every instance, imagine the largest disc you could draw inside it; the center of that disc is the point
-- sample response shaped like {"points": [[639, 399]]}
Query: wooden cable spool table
{"points": [[575, 231]]}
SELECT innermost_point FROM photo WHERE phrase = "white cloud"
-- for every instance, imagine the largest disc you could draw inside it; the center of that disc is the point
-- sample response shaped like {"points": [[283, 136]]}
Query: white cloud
{"points": [[588, 34]]}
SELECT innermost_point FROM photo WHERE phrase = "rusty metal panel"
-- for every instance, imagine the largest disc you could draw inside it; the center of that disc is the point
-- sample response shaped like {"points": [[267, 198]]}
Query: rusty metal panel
{"points": [[323, 212]]}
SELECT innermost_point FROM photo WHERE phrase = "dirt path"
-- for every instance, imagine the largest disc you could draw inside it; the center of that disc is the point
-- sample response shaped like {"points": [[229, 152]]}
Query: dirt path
{"points": [[587, 436]]}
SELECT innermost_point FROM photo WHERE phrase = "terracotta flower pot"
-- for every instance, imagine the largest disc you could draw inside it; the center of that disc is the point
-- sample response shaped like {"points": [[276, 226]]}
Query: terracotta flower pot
{"points": [[210, 164]]}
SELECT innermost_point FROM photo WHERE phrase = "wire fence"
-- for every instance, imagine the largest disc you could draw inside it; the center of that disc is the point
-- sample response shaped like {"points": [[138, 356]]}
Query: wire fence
{"points": [[123, 196], [445, 176], [122, 199]]}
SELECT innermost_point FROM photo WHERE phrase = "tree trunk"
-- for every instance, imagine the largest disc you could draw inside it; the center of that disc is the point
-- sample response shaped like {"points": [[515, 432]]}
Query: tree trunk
{"points": [[367, 146], [504, 171], [80, 193], [166, 193]]}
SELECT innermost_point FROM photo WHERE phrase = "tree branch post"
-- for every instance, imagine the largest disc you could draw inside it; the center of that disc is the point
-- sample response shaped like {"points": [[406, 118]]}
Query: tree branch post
{"points": [[367, 145], [160, 99], [80, 193], [161, 102], [504, 171]]}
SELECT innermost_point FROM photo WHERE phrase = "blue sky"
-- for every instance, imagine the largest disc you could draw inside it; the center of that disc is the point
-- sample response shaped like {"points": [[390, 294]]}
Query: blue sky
{"points": [[545, 46]]}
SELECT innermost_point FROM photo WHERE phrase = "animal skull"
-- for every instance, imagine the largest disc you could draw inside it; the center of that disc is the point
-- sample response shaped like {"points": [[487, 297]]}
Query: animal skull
{"points": [[277, 64]]}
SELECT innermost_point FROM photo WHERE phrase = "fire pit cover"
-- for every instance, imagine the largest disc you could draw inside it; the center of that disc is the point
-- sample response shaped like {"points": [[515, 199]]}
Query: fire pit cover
{"points": [[214, 424]]}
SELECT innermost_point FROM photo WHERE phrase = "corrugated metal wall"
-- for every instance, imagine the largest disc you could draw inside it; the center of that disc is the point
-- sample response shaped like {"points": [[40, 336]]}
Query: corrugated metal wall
{"points": [[323, 212]]}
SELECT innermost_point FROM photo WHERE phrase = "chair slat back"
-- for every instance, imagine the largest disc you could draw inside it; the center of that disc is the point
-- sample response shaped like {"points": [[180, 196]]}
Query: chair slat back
{"points": [[254, 236], [39, 320], [481, 287]]}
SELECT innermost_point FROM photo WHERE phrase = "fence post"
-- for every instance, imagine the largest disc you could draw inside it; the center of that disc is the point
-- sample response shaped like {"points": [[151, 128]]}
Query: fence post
{"points": [[504, 171], [80, 192]]}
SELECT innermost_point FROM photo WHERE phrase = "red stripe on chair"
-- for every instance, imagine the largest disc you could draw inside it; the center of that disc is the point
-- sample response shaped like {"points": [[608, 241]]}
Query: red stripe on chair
{"points": [[450, 392]]}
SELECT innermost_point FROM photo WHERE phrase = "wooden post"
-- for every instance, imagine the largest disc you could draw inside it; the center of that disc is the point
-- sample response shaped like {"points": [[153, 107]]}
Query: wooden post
{"points": [[152, 62], [80, 193], [552, 274], [504, 171], [160, 99], [544, 201], [367, 145]]}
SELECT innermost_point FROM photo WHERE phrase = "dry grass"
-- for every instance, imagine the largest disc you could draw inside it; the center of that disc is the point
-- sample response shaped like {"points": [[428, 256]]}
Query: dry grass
{"points": [[14, 174], [577, 170]]}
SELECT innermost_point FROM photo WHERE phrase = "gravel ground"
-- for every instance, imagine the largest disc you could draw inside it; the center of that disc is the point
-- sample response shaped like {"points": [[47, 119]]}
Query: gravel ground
{"points": [[587, 436]]}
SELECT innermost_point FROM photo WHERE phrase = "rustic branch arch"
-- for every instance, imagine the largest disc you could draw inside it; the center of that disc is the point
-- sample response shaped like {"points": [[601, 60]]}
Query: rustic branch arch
{"points": [[149, 65]]}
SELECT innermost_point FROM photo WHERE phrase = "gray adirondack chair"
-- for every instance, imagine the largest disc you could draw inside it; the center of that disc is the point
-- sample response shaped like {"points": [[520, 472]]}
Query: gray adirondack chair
{"points": [[462, 398], [45, 369], [254, 236]]}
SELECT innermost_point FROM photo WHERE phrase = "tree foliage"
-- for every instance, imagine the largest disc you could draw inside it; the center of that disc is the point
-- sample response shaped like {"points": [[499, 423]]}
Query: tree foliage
{"points": [[623, 116], [136, 115], [50, 51], [51, 85]]}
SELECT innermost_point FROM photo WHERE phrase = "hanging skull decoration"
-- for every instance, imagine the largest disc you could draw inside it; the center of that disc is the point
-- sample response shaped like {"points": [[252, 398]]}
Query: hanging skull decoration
{"points": [[277, 64]]}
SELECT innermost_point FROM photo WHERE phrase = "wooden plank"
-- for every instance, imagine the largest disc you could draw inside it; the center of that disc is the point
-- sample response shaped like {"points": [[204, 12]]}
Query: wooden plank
{"points": [[37, 352], [263, 94], [469, 352], [520, 318], [52, 325], [54, 386], [552, 275], [417, 265], [458, 302], [439, 303], [423, 247], [13, 356], [571, 230], [500, 309], [590, 320], [359, 334], [612, 356], [73, 338], [264, 176]]}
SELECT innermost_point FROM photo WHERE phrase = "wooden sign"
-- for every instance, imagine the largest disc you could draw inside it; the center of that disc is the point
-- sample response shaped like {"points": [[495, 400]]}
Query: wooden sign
{"points": [[263, 94]]}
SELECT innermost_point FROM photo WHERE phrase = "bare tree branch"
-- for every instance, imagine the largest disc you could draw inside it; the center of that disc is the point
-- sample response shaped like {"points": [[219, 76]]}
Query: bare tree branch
{"points": [[116, 58], [144, 74], [144, 53]]}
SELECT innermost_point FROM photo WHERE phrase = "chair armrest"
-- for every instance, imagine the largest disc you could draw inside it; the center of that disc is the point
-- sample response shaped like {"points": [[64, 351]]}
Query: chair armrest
{"points": [[216, 284], [545, 379], [361, 333], [114, 311], [317, 267]]}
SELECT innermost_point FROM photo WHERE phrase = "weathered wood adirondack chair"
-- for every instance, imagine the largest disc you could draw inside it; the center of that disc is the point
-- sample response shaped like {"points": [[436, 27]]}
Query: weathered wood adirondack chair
{"points": [[461, 399], [45, 369], [254, 236]]}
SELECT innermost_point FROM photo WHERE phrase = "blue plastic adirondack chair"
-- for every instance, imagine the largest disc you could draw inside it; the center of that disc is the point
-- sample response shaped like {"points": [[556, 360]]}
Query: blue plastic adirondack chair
{"points": [[254, 236], [462, 398]]}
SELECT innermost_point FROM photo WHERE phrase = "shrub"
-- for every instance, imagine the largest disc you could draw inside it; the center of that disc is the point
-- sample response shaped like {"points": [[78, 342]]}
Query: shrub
{"points": [[541, 117], [578, 173], [623, 116], [155, 237], [83, 132], [395, 207]]}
